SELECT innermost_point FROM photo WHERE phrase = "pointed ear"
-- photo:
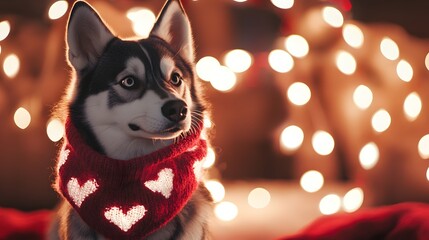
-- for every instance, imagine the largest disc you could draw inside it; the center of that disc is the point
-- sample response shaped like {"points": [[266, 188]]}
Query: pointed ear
{"points": [[87, 36], [173, 26]]}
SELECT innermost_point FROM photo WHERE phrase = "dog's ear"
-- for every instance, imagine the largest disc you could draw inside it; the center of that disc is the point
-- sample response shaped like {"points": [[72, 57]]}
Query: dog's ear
{"points": [[173, 26], [87, 36]]}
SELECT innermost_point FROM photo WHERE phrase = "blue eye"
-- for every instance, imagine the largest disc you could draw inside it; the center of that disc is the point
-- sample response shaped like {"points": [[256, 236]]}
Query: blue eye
{"points": [[176, 79], [129, 83]]}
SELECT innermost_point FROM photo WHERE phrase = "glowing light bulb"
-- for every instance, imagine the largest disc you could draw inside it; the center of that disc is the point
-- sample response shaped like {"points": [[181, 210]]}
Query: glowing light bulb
{"points": [[283, 4], [142, 20], [423, 147], [323, 143], [4, 29], [381, 120], [353, 200], [207, 122], [353, 35], [369, 155], [404, 70], [226, 211], [427, 174], [216, 189], [297, 46], [389, 49], [362, 97], [346, 63], [330, 204], [22, 118], [58, 9], [224, 80], [259, 198], [291, 138], [333, 17], [210, 158], [11, 65], [427, 61], [238, 60], [412, 106], [206, 68], [280, 61], [299, 93], [312, 181], [55, 130]]}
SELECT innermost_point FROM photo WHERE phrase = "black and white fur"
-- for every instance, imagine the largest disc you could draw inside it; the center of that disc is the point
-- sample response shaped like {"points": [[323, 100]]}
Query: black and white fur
{"points": [[130, 98]]}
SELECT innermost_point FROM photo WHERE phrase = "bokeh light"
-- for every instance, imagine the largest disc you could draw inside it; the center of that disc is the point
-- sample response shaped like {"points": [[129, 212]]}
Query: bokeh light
{"points": [[353, 200], [4, 29], [238, 60], [381, 120], [369, 155], [224, 80], [353, 35], [259, 198], [362, 97], [423, 147], [404, 70], [312, 181], [299, 93], [216, 189], [22, 118], [58, 9], [280, 61], [346, 63], [323, 143], [11, 65], [142, 20], [206, 68], [226, 211], [55, 130], [330, 204], [333, 17], [291, 138], [210, 158], [283, 4], [412, 106], [297, 46], [389, 49]]}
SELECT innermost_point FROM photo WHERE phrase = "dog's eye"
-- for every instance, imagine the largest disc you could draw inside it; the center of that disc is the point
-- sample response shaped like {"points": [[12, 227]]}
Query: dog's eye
{"points": [[129, 83], [176, 79]]}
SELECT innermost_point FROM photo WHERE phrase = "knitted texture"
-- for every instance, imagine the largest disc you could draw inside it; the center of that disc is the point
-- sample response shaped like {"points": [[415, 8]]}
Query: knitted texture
{"points": [[133, 198]]}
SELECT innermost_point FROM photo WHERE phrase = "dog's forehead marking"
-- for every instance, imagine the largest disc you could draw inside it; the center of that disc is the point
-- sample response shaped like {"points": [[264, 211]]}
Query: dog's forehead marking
{"points": [[166, 65], [135, 66]]}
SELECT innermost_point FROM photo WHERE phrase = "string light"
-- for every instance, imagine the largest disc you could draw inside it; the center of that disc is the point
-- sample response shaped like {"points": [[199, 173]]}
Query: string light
{"points": [[353, 200], [216, 189], [22, 118], [142, 20], [323, 143], [381, 120], [238, 60], [404, 71], [283, 4], [362, 97], [299, 93], [423, 147], [259, 198], [346, 63], [224, 80], [412, 106], [206, 68], [280, 61], [297, 46], [369, 155], [427, 174], [330, 204], [11, 65], [55, 130], [291, 138], [312, 181], [427, 61], [353, 35], [226, 211], [58, 9], [333, 17], [210, 159], [4, 29], [389, 49]]}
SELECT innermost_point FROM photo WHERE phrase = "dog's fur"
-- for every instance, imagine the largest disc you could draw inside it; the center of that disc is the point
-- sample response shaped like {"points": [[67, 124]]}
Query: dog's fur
{"points": [[130, 98]]}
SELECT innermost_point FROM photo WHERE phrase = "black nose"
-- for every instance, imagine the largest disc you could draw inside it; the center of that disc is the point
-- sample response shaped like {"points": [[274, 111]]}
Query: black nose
{"points": [[175, 110]]}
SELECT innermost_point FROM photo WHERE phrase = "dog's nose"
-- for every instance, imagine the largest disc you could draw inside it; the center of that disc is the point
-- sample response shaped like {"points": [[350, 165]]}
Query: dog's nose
{"points": [[175, 110]]}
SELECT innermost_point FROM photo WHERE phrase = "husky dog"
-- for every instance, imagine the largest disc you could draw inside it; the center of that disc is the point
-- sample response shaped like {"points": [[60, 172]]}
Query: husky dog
{"points": [[132, 98]]}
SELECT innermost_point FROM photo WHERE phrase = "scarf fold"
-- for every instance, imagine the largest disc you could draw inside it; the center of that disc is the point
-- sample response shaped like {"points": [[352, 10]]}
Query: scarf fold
{"points": [[133, 198]]}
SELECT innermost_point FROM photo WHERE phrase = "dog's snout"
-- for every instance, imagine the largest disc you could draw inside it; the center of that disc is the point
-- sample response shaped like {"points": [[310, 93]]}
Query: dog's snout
{"points": [[175, 110]]}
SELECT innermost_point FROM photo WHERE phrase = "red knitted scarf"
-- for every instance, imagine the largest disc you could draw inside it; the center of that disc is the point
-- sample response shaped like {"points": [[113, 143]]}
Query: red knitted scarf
{"points": [[129, 199]]}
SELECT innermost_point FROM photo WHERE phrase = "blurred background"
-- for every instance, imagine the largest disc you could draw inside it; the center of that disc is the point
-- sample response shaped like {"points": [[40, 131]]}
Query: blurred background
{"points": [[318, 107]]}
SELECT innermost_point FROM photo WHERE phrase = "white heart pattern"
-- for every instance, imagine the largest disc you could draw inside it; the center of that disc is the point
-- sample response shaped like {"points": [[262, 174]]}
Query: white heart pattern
{"points": [[79, 193], [164, 183], [198, 170], [116, 216]]}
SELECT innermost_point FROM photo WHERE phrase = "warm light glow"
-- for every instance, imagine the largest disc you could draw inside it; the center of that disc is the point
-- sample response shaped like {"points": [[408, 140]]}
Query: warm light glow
{"points": [[216, 189], [238, 0], [381, 120], [297, 46], [353, 200], [210, 158], [404, 70], [427, 61], [259, 198], [58, 9], [427, 174], [142, 19], [333, 17], [11, 65], [362, 97], [423, 147], [55, 130], [22, 118], [206, 68], [238, 60], [280, 61], [346, 63], [283, 4], [291, 138], [224, 80], [353, 35], [412, 106], [368, 156], [207, 122], [323, 143], [4, 29], [226, 211], [299, 93], [389, 49], [330, 204], [312, 181]]}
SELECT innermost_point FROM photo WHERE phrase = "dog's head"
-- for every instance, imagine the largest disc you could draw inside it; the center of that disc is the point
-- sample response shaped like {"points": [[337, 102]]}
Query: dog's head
{"points": [[144, 88]]}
